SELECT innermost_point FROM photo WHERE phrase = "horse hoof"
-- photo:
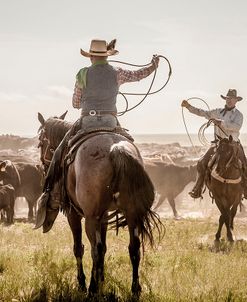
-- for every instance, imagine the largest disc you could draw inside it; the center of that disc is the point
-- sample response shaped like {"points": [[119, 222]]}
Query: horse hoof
{"points": [[82, 288], [93, 289], [216, 246], [136, 290], [177, 217]]}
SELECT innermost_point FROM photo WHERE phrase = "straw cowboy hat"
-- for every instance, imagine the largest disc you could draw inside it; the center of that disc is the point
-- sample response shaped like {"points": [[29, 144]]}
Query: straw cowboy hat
{"points": [[232, 93], [100, 48]]}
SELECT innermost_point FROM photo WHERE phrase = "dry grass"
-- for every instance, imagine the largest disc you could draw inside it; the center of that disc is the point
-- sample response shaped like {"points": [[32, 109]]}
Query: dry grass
{"points": [[183, 267]]}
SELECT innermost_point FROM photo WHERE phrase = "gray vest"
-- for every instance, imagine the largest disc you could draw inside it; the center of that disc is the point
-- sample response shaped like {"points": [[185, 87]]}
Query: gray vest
{"points": [[101, 88]]}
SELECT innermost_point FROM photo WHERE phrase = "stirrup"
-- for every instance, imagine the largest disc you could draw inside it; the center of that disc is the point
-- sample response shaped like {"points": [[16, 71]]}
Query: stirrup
{"points": [[195, 194]]}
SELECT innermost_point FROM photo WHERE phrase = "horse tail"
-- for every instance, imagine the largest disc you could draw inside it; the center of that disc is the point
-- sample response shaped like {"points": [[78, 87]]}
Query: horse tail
{"points": [[130, 178]]}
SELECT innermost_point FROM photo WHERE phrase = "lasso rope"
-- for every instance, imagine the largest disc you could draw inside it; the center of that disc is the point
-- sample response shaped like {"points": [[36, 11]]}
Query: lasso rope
{"points": [[201, 131], [149, 92], [201, 135]]}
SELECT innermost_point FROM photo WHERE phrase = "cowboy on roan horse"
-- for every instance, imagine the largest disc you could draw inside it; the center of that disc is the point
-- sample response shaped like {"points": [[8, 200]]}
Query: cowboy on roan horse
{"points": [[95, 92]]}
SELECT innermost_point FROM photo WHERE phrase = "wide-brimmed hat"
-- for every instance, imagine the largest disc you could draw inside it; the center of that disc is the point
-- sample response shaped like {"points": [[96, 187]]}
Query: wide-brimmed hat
{"points": [[232, 93], [101, 48]]}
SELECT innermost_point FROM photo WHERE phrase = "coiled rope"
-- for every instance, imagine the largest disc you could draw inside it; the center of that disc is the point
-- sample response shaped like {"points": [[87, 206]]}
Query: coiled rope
{"points": [[201, 132], [149, 92], [201, 135]]}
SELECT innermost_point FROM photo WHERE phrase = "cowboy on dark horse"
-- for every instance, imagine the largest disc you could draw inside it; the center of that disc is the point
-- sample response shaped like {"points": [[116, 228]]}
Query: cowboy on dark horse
{"points": [[95, 92], [228, 121]]}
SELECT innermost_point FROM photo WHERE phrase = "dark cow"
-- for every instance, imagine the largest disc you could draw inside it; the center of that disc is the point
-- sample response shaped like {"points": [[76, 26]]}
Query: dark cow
{"points": [[7, 201], [169, 180], [26, 179]]}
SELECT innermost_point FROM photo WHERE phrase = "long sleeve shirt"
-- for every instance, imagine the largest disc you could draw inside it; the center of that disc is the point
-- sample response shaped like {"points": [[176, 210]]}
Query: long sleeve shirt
{"points": [[231, 122], [123, 76]]}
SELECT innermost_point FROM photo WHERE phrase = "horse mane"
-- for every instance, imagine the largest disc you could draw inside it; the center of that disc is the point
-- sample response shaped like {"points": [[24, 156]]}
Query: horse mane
{"points": [[56, 129]]}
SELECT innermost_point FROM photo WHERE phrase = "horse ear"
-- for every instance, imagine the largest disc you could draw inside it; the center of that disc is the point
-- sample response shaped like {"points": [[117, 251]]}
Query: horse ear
{"points": [[230, 139], [41, 119], [63, 115]]}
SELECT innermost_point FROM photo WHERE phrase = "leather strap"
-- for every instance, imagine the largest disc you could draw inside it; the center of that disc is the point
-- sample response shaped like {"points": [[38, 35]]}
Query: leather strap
{"points": [[215, 175]]}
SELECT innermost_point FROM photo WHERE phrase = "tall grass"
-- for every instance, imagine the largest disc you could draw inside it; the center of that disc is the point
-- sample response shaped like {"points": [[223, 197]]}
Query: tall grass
{"points": [[183, 267]]}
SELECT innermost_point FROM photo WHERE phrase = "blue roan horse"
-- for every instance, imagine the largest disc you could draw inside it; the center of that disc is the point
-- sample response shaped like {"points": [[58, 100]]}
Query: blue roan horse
{"points": [[106, 175], [225, 183]]}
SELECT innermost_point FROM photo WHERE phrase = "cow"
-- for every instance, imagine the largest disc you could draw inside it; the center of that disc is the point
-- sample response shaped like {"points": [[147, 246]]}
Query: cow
{"points": [[169, 180], [7, 202], [26, 179]]}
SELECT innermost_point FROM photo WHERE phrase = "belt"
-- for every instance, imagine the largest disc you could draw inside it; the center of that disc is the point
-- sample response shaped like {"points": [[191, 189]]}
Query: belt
{"points": [[98, 112]]}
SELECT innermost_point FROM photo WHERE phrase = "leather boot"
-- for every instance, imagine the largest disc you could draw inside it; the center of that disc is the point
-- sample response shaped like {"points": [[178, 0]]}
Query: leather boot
{"points": [[52, 209], [197, 189], [48, 208]]}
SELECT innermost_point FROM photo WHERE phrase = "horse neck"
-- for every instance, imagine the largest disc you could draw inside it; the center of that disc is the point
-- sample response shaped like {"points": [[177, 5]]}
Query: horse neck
{"points": [[56, 131], [233, 170]]}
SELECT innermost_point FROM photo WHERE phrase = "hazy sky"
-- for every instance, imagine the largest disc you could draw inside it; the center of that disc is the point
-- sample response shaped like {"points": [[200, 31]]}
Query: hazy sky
{"points": [[205, 41]]}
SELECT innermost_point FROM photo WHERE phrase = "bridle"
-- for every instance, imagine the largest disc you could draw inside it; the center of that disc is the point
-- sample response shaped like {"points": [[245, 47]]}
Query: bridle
{"points": [[46, 149]]}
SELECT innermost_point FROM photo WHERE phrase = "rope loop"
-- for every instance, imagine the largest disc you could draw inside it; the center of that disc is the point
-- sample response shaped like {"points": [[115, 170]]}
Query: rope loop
{"points": [[201, 134], [149, 92]]}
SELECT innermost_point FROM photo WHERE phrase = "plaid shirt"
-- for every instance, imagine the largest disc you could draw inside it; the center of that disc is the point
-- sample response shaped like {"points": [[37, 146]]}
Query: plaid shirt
{"points": [[123, 76]]}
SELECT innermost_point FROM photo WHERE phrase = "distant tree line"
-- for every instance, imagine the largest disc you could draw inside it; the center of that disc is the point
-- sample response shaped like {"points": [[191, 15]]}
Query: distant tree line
{"points": [[15, 142]]}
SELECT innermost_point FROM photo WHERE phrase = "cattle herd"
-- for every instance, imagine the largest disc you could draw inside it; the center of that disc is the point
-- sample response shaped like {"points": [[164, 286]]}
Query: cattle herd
{"points": [[22, 176], [21, 179]]}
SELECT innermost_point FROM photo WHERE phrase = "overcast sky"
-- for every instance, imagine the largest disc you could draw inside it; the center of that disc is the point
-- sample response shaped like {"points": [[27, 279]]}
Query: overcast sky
{"points": [[40, 41]]}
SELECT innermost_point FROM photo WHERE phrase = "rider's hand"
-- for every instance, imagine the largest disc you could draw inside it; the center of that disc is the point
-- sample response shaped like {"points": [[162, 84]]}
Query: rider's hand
{"points": [[185, 103], [155, 61], [217, 122]]}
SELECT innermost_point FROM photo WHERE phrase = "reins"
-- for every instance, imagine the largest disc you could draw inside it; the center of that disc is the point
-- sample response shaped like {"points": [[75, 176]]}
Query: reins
{"points": [[149, 92]]}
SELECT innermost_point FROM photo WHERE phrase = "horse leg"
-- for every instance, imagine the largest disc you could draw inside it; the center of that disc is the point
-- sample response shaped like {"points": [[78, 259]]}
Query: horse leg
{"points": [[30, 209], [103, 240], [233, 213], [228, 225], [221, 222], [94, 233], [171, 201], [75, 225], [159, 203], [134, 252]]}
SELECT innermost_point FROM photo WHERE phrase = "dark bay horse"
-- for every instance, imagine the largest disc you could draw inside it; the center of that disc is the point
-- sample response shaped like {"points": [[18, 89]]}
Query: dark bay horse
{"points": [[224, 182], [106, 175]]}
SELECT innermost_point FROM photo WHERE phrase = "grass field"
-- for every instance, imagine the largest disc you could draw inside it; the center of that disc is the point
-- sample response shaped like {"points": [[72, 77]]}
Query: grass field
{"points": [[184, 266]]}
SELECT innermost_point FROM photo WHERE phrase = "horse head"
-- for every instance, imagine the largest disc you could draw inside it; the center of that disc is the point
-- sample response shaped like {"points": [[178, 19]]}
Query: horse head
{"points": [[227, 155], [49, 139]]}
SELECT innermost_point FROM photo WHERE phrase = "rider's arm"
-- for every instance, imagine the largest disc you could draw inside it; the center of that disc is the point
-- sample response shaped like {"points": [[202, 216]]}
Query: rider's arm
{"points": [[76, 100], [208, 114], [125, 76], [78, 90]]}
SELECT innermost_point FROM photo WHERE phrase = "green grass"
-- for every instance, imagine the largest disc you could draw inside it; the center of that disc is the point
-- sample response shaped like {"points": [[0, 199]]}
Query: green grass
{"points": [[184, 266]]}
